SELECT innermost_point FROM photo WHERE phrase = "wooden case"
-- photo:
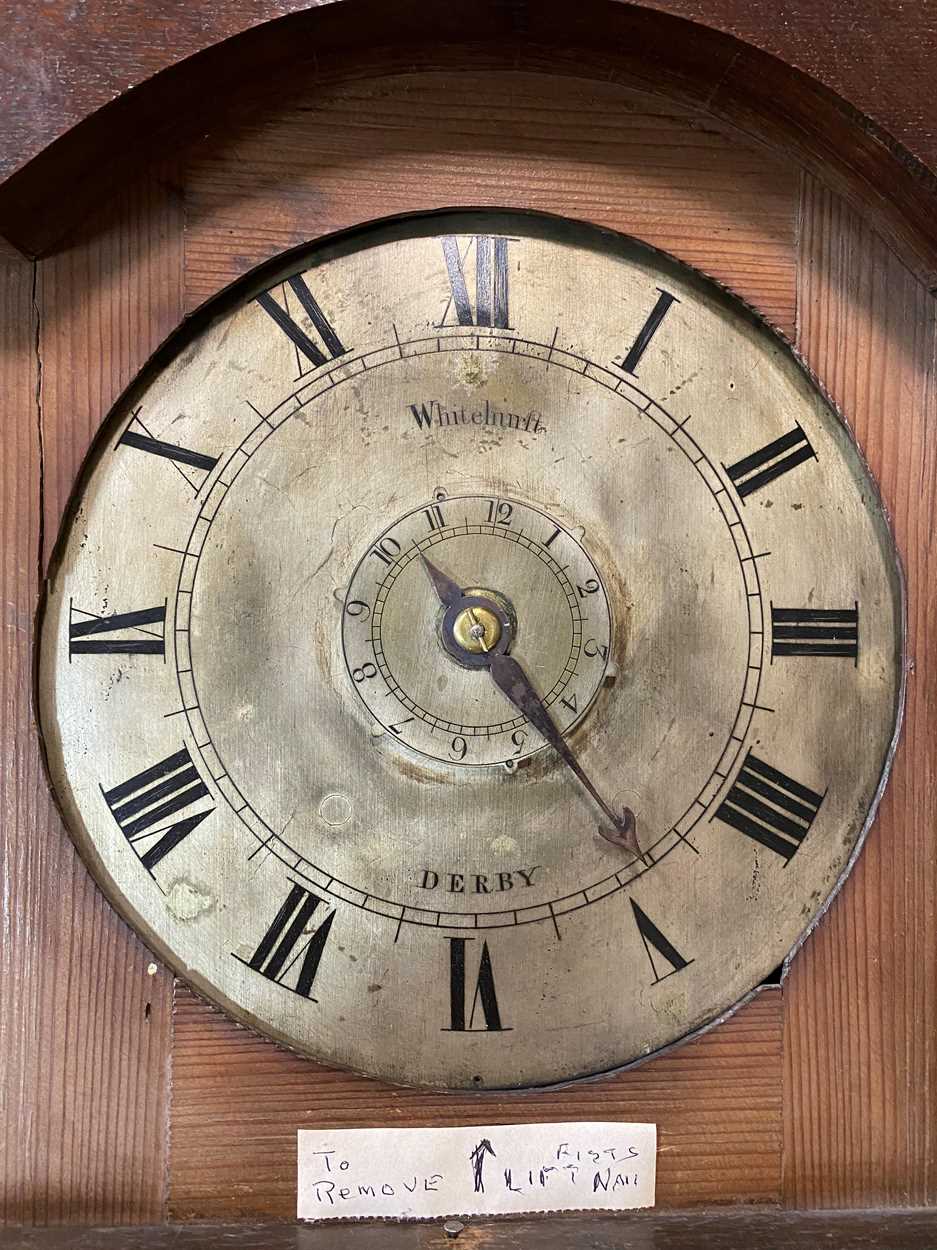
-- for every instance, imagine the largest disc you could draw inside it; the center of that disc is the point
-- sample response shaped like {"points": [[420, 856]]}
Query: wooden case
{"points": [[123, 1097]]}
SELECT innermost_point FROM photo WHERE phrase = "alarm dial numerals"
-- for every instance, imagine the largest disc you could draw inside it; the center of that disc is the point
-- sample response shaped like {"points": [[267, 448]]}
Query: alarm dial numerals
{"points": [[344, 831], [555, 600]]}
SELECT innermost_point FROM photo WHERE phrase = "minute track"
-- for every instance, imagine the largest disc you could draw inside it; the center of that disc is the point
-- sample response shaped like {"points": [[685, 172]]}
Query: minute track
{"points": [[430, 542], [658, 847]]}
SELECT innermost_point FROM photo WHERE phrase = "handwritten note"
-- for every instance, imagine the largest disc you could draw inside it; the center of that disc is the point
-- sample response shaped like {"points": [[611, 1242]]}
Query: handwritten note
{"points": [[427, 1173]]}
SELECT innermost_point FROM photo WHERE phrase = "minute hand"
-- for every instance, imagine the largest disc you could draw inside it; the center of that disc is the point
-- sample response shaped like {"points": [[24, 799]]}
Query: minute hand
{"points": [[513, 682]]}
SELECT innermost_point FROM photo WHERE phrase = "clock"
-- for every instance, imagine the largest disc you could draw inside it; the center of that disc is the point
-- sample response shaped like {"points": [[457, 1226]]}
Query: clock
{"points": [[473, 654]]}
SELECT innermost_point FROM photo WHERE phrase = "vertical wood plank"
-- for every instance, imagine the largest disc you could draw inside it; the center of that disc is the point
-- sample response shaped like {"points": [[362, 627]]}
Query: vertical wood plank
{"points": [[20, 774], [860, 1110], [85, 1023]]}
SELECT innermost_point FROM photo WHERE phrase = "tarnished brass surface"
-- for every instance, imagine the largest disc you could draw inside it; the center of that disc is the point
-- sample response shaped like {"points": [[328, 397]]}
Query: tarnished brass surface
{"points": [[476, 630], [355, 843]]}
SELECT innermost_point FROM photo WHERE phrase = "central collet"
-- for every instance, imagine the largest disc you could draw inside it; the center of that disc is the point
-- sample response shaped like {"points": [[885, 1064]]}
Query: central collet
{"points": [[476, 629]]}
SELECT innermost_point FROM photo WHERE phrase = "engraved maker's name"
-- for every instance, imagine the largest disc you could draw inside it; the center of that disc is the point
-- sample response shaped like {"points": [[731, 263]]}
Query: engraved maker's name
{"points": [[431, 413]]}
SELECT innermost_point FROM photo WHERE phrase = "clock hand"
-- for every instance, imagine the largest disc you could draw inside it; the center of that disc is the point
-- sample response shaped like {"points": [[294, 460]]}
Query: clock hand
{"points": [[513, 682], [449, 592]]}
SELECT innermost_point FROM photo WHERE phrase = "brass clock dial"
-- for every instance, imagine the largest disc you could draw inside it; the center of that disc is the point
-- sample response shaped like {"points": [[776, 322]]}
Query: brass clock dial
{"points": [[541, 595], [474, 652]]}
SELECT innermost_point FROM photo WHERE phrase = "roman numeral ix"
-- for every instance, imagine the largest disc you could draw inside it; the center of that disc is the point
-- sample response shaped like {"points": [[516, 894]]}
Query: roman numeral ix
{"points": [[815, 631], [770, 807], [288, 953], [484, 1004], [753, 472], [123, 633], [144, 806], [282, 314], [183, 459], [491, 281]]}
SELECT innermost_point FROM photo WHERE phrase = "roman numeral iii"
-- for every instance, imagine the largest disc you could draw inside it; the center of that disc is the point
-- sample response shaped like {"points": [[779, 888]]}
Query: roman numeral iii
{"points": [[287, 953], [815, 631], [491, 281], [144, 806], [770, 807], [123, 633], [466, 1017], [299, 300], [753, 472]]}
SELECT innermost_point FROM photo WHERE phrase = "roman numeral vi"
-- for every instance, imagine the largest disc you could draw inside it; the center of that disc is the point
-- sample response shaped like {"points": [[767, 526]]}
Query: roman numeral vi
{"points": [[484, 1004]]}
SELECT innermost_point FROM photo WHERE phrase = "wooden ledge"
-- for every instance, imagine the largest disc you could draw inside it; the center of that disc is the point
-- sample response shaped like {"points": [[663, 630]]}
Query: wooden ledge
{"points": [[700, 1230]]}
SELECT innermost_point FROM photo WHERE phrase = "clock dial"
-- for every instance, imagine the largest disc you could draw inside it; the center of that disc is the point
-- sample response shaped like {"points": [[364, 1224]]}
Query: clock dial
{"points": [[526, 585], [474, 651]]}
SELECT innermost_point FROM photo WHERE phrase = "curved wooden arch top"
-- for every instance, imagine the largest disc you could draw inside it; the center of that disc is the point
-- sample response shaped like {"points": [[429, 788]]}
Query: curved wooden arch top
{"points": [[55, 169]]}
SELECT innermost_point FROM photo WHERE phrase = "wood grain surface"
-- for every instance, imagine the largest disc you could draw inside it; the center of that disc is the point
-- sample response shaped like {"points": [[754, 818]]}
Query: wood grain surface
{"points": [[876, 53], [84, 1024], [595, 40], [819, 1094], [238, 1101], [635, 1230], [861, 999], [410, 142]]}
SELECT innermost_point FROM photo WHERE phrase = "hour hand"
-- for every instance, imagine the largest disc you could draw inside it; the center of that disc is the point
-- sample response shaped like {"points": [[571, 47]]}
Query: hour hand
{"points": [[449, 592]]}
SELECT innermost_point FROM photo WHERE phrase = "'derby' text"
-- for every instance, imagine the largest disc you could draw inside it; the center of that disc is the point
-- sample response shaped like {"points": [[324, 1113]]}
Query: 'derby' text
{"points": [[477, 882]]}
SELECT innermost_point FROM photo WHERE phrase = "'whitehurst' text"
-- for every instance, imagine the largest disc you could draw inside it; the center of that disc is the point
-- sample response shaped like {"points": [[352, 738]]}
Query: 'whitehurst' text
{"points": [[432, 413]]}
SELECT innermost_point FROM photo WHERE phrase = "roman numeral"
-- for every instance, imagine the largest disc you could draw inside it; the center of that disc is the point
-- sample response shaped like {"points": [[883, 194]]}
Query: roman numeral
{"points": [[815, 631], [332, 346], [287, 953], [484, 1003], [142, 805], [770, 807], [648, 330], [761, 467], [655, 941], [183, 458], [434, 517], [84, 630], [491, 281]]}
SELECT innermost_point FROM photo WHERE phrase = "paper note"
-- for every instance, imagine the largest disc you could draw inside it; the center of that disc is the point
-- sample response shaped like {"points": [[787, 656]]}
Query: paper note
{"points": [[427, 1173]]}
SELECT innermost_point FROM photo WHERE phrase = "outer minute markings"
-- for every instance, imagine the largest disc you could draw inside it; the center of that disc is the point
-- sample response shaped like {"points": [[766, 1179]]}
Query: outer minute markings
{"points": [[395, 353]]}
